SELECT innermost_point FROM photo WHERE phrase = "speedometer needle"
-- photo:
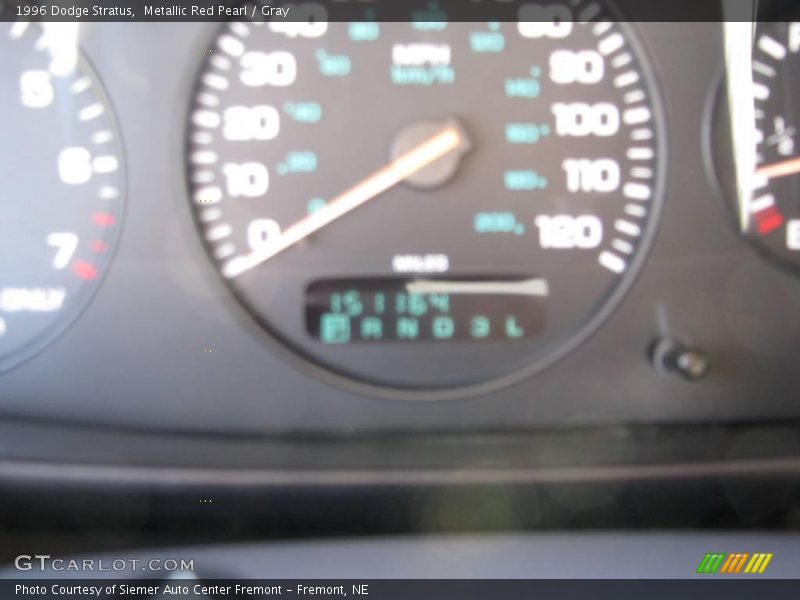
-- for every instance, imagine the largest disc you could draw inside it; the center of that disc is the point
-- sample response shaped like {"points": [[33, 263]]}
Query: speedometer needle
{"points": [[780, 169], [451, 138]]}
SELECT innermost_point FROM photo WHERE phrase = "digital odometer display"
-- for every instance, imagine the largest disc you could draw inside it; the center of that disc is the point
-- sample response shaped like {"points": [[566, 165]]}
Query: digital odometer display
{"points": [[427, 151], [414, 310]]}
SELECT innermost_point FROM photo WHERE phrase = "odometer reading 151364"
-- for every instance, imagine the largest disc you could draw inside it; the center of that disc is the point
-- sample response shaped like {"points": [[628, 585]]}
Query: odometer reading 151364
{"points": [[429, 207]]}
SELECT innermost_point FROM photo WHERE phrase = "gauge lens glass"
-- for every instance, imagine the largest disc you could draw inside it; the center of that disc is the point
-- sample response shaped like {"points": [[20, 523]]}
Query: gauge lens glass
{"points": [[771, 211], [61, 182], [426, 205]]}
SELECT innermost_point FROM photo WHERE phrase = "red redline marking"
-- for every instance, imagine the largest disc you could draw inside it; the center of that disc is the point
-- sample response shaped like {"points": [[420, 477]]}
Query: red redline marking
{"points": [[768, 220], [84, 270], [98, 246], [103, 219]]}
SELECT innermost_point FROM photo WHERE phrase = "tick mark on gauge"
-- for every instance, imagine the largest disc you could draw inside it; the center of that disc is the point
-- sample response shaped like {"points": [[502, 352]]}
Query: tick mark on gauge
{"points": [[103, 219], [98, 246], [450, 242], [768, 220], [84, 270]]}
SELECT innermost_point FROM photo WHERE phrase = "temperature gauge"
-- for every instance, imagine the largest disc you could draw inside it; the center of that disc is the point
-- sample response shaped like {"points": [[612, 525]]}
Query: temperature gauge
{"points": [[763, 125]]}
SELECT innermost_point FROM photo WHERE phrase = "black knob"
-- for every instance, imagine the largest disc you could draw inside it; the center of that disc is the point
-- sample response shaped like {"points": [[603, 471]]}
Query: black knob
{"points": [[672, 356]]}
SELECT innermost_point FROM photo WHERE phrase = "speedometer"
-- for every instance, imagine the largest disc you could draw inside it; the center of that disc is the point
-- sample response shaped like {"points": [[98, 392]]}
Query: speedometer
{"points": [[427, 206]]}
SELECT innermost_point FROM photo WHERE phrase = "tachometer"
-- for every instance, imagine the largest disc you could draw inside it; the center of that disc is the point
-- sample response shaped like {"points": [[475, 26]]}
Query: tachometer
{"points": [[427, 206], [61, 182]]}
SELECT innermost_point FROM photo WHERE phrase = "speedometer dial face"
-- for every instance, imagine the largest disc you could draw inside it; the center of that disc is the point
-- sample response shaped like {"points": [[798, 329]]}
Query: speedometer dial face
{"points": [[427, 206], [61, 185]]}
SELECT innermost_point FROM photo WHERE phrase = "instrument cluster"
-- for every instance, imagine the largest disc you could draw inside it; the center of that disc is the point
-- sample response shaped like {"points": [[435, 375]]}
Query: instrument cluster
{"points": [[272, 226]]}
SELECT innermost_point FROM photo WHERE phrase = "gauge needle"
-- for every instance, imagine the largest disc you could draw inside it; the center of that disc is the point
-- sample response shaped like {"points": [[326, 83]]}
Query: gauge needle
{"points": [[527, 287], [780, 169], [451, 138]]}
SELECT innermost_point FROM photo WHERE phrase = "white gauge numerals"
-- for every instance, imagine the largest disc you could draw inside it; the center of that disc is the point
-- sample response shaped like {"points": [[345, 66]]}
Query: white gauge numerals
{"points": [[75, 165], [544, 21], [579, 119], [65, 245], [262, 232], [359, 161], [36, 89], [600, 175], [625, 180], [310, 20], [278, 69], [258, 123], [248, 180], [768, 208], [584, 66], [782, 137], [565, 232], [63, 178]]}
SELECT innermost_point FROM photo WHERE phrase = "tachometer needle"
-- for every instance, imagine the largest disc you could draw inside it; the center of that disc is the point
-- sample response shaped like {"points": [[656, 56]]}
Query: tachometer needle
{"points": [[451, 138], [780, 169]]}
